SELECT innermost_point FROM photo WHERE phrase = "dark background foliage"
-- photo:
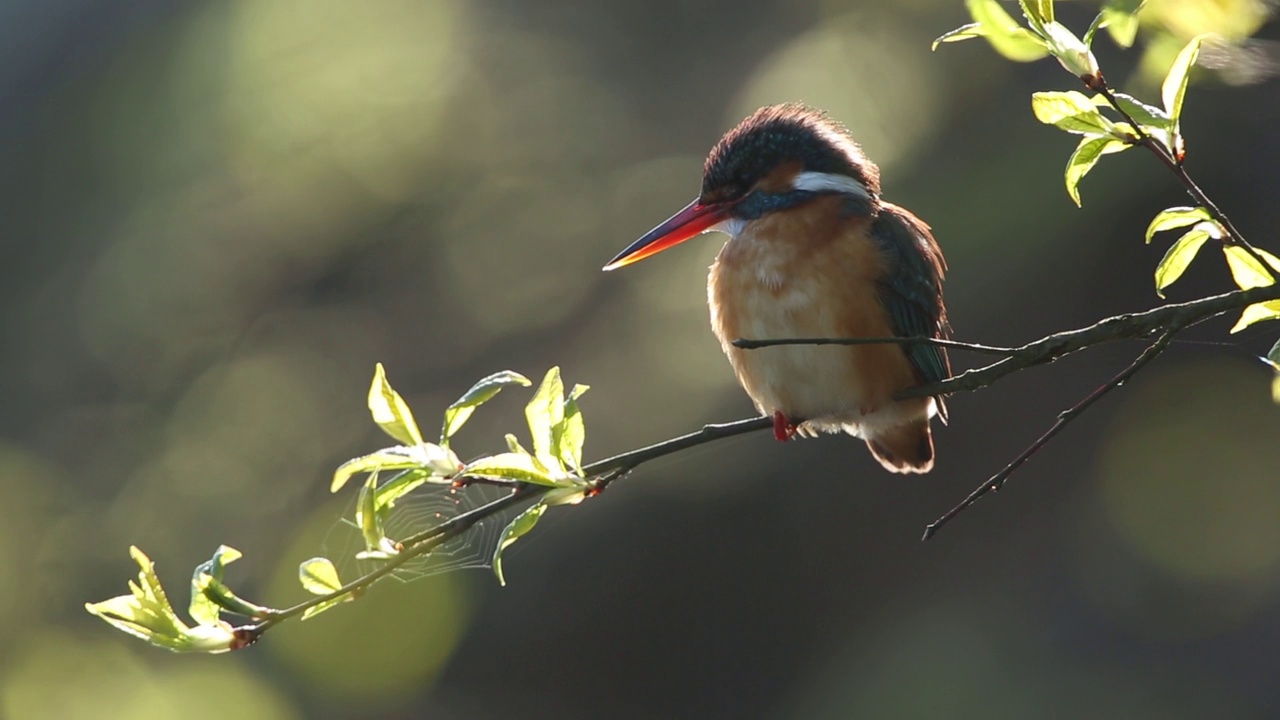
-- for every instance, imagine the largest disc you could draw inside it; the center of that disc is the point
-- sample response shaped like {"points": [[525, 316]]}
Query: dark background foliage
{"points": [[217, 217]]}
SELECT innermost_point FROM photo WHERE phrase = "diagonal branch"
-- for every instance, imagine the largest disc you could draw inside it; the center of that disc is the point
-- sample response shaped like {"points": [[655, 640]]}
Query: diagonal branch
{"points": [[997, 481]]}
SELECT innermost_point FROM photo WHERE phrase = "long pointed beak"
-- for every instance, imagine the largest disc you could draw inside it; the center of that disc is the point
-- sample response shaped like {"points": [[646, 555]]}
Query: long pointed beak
{"points": [[695, 218]]}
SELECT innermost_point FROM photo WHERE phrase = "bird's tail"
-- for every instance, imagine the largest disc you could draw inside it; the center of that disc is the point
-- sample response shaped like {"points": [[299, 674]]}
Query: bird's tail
{"points": [[904, 448]]}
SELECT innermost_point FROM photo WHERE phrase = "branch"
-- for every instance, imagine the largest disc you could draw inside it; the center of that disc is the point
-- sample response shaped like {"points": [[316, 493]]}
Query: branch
{"points": [[997, 481], [1174, 163], [939, 342]]}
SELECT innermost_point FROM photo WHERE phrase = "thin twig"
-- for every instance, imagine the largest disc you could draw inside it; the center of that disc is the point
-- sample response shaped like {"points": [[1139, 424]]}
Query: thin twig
{"points": [[1175, 165], [746, 344], [997, 481], [1175, 316]]}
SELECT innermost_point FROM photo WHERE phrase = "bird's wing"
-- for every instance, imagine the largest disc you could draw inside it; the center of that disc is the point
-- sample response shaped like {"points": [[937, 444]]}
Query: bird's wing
{"points": [[912, 288]]}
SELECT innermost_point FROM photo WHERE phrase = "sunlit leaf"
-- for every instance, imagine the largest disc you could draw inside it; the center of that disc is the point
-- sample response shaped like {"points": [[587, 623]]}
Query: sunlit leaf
{"points": [[570, 433], [1037, 12], [1071, 53], [1178, 258], [513, 444], [315, 610], [367, 517], [516, 529], [1174, 88], [1257, 313], [1149, 116], [430, 458], [1085, 157], [390, 410], [565, 496], [1004, 33], [1275, 390], [964, 32], [318, 576], [460, 411], [203, 609], [512, 466], [146, 614], [1246, 270], [1070, 111], [1176, 217], [1273, 356], [544, 412]]}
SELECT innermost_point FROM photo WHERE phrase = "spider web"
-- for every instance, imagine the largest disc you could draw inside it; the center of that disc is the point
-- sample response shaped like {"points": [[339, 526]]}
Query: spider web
{"points": [[423, 509]]}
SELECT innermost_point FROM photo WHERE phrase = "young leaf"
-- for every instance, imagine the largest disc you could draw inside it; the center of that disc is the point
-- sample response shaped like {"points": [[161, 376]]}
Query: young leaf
{"points": [[1176, 217], [367, 517], [318, 576], [147, 614], [1174, 88], [460, 411], [315, 610], [1178, 258], [1148, 116], [390, 410], [1247, 271], [1086, 155], [1037, 12], [516, 529], [964, 32], [544, 412], [388, 459], [1275, 390], [400, 484], [512, 466], [1256, 313], [1070, 111], [571, 432], [1003, 32], [202, 608], [1071, 53], [1273, 356]]}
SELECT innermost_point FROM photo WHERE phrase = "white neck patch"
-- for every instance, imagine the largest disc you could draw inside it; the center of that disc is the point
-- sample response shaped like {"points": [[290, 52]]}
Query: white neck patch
{"points": [[830, 182], [730, 226]]}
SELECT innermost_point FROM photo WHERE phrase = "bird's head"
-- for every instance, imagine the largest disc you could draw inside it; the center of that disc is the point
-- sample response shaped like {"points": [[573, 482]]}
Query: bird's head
{"points": [[778, 158]]}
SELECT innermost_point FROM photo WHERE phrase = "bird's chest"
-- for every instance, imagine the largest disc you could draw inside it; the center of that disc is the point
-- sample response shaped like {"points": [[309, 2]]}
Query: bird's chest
{"points": [[776, 282]]}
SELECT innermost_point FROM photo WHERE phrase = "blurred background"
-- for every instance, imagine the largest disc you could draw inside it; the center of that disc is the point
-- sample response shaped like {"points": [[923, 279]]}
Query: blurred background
{"points": [[215, 217]]}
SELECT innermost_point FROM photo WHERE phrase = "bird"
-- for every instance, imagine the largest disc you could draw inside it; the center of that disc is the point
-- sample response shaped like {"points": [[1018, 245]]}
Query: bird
{"points": [[814, 251]]}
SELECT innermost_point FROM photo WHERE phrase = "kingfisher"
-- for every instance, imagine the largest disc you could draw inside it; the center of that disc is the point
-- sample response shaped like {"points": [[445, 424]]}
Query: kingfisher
{"points": [[813, 251]]}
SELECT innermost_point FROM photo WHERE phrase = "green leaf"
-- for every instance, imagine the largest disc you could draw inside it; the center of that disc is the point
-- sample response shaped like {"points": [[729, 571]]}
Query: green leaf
{"points": [[390, 410], [1174, 88], [424, 456], [1070, 111], [516, 529], [544, 412], [202, 608], [1256, 313], [1004, 33], [1086, 155], [1273, 356], [1178, 258], [1148, 116], [513, 466], [318, 576], [1275, 390], [964, 32], [1122, 25], [513, 444], [367, 517], [1247, 271], [146, 614], [315, 610], [482, 392], [1071, 53], [1037, 12], [1176, 217], [570, 433], [401, 484]]}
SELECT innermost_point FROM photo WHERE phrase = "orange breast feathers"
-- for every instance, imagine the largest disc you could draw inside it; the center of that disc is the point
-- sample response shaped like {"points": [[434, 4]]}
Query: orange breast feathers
{"points": [[812, 272]]}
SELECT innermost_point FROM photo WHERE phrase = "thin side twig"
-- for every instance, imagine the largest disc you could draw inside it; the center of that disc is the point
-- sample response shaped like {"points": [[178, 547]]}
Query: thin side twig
{"points": [[997, 481], [746, 344]]}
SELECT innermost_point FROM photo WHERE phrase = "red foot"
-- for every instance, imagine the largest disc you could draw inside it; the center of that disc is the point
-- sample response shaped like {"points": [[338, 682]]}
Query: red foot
{"points": [[783, 428]]}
